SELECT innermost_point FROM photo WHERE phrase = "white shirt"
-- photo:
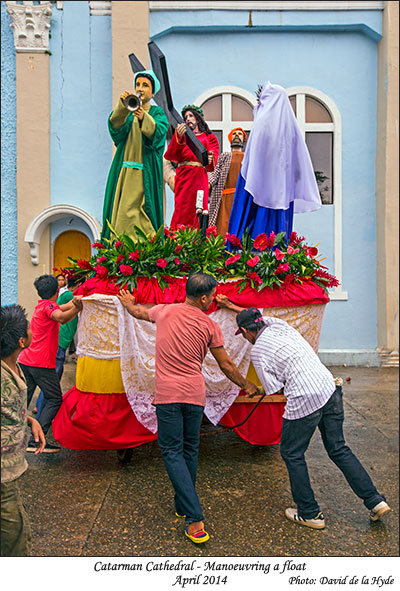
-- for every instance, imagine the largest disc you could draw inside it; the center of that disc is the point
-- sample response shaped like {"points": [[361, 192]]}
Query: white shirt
{"points": [[282, 358]]}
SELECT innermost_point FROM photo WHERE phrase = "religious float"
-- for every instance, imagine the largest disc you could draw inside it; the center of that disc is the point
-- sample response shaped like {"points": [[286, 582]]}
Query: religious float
{"points": [[110, 407]]}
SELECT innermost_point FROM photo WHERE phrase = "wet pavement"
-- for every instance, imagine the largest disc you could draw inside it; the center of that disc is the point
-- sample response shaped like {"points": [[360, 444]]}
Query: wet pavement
{"points": [[85, 503]]}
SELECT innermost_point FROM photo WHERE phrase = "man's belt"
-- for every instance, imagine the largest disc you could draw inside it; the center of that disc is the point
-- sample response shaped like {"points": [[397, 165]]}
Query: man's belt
{"points": [[131, 164], [190, 163]]}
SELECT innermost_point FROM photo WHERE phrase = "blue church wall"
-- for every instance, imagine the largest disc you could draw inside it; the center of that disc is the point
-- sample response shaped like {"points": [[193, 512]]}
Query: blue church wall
{"points": [[9, 244], [333, 52], [81, 91]]}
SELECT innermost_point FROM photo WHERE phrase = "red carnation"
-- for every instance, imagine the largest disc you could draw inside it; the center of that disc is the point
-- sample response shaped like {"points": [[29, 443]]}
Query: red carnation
{"points": [[98, 245], [167, 231], [120, 258], [134, 255], [162, 263], [212, 231], [271, 239], [118, 244], [178, 249], [126, 269], [101, 259], [177, 261], [312, 251], [256, 278], [252, 262], [101, 271], [233, 259], [261, 242]]}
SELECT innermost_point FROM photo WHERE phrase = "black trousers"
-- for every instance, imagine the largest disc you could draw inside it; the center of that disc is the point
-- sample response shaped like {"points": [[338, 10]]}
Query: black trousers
{"points": [[47, 380]]}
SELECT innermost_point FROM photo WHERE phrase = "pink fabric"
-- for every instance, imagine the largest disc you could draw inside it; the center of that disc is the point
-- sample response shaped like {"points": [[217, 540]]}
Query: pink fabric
{"points": [[43, 349], [184, 334]]}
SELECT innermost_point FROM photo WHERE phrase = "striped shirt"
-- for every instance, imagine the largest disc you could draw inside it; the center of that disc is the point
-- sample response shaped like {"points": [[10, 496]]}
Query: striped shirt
{"points": [[282, 358]]}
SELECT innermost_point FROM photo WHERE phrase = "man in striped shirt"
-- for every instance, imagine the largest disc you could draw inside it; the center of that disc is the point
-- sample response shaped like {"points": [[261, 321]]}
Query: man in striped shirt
{"points": [[284, 360]]}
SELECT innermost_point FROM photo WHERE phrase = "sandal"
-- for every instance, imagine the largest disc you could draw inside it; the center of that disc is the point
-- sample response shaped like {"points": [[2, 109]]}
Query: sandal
{"points": [[198, 537]]}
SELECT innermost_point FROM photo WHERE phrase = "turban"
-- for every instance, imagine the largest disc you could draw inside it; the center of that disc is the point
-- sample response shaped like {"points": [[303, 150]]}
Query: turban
{"points": [[230, 134]]}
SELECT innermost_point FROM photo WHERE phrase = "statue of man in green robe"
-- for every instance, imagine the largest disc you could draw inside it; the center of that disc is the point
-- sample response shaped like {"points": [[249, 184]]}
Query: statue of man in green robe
{"points": [[134, 190]]}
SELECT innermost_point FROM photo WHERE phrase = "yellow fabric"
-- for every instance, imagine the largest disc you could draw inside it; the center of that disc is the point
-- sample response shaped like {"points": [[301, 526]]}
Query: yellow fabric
{"points": [[99, 376], [252, 376]]}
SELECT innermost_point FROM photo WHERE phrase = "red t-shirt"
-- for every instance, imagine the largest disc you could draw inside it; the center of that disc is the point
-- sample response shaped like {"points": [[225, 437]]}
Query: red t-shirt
{"points": [[183, 336], [43, 349]]}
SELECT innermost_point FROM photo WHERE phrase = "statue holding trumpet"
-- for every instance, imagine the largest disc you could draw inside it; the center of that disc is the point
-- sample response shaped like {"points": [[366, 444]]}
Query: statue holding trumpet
{"points": [[134, 190]]}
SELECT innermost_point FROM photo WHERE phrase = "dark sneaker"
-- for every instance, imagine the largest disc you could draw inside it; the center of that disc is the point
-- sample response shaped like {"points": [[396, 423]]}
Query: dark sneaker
{"points": [[379, 510], [317, 522]]}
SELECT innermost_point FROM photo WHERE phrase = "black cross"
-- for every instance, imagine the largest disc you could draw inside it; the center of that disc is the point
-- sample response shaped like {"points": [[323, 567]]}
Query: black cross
{"points": [[163, 98]]}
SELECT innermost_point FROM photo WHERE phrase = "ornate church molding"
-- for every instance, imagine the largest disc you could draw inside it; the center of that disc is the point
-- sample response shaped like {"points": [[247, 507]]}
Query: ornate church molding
{"points": [[51, 214], [31, 25]]}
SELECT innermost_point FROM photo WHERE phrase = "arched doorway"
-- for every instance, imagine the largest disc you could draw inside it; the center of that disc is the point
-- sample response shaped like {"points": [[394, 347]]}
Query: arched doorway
{"points": [[71, 243]]}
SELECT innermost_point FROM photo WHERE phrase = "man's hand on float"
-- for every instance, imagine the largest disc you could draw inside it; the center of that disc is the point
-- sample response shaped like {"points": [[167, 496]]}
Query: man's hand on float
{"points": [[181, 129], [77, 301], [224, 302], [251, 389], [126, 298]]}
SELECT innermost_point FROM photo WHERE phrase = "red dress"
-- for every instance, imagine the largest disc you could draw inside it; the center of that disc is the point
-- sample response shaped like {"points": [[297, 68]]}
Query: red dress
{"points": [[190, 177]]}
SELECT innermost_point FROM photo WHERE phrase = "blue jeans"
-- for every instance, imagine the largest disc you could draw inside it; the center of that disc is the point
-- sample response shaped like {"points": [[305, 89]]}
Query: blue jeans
{"points": [[60, 360], [296, 436], [178, 438]]}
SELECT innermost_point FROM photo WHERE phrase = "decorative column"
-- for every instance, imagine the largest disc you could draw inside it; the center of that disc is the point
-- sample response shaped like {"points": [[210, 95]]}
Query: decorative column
{"points": [[31, 25], [387, 188]]}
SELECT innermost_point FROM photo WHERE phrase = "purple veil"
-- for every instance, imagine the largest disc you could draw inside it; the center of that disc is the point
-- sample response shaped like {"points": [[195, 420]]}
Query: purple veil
{"points": [[277, 167]]}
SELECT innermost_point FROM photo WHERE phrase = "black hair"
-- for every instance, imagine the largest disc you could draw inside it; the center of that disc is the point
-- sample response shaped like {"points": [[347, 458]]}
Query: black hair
{"points": [[46, 286], [148, 78], [74, 281], [251, 319], [14, 325], [200, 284], [201, 123], [60, 275]]}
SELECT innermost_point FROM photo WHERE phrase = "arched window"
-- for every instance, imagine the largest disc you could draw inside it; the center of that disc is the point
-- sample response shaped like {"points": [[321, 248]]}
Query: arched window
{"points": [[226, 107], [320, 122], [317, 125]]}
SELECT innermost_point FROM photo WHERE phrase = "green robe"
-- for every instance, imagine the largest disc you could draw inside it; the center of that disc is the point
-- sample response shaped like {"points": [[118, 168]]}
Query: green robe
{"points": [[134, 196]]}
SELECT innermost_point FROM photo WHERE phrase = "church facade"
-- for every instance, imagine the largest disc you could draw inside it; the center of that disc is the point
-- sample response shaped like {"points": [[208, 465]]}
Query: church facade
{"points": [[64, 65]]}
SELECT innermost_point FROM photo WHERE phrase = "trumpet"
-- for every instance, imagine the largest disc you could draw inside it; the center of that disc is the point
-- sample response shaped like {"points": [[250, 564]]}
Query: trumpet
{"points": [[133, 102]]}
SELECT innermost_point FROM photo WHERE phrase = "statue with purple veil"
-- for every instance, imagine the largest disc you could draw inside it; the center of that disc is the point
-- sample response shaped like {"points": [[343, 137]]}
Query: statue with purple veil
{"points": [[277, 178]]}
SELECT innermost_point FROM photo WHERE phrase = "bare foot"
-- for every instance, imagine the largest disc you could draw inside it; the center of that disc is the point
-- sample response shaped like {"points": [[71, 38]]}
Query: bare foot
{"points": [[195, 526]]}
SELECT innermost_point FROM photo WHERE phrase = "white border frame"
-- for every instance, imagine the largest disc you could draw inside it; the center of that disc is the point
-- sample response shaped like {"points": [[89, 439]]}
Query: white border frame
{"points": [[336, 128]]}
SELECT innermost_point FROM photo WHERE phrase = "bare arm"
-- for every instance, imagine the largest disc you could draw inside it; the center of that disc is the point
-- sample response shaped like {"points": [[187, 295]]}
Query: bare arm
{"points": [[224, 302], [135, 310], [227, 367], [63, 315]]}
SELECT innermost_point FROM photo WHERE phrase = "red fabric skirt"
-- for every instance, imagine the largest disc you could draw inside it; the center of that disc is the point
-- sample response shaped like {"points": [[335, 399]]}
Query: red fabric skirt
{"points": [[262, 428], [188, 180], [98, 421]]}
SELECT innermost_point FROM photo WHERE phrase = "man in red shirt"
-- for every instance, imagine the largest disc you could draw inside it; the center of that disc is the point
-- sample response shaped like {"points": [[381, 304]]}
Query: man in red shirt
{"points": [[191, 176], [38, 361], [184, 334]]}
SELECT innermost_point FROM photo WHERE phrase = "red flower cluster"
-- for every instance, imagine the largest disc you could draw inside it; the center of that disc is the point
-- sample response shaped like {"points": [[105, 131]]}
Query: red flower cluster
{"points": [[162, 263], [295, 238], [134, 256], [120, 258], [98, 245], [262, 241], [282, 268], [178, 249], [118, 244], [83, 264], [101, 259], [101, 271], [212, 231], [252, 262], [126, 269], [234, 240], [332, 281], [233, 259], [256, 278]]}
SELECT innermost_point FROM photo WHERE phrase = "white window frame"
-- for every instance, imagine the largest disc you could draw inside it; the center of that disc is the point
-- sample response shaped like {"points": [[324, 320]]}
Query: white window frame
{"points": [[336, 128], [227, 124]]}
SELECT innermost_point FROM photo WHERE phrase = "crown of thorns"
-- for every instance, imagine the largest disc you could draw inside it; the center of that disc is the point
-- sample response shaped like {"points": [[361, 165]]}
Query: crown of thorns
{"points": [[191, 108]]}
